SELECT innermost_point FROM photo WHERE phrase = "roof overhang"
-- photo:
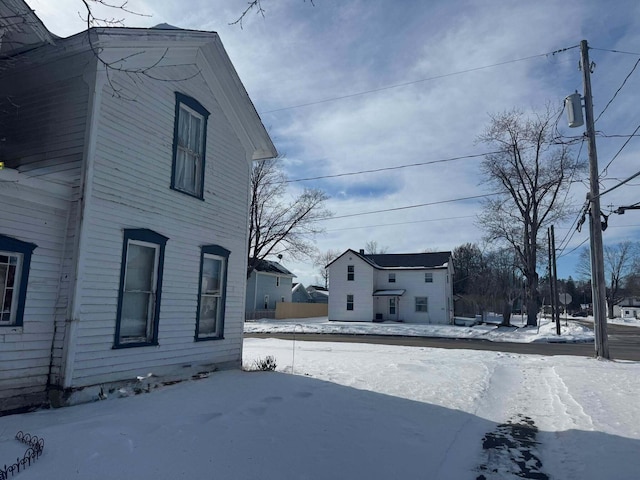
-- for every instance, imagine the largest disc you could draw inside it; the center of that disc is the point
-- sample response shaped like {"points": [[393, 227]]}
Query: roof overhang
{"points": [[389, 293]]}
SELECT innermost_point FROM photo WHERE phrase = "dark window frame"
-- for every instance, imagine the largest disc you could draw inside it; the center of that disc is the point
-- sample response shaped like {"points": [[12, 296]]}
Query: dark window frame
{"points": [[193, 104], [426, 305], [13, 245], [350, 301], [151, 237], [351, 273], [222, 252]]}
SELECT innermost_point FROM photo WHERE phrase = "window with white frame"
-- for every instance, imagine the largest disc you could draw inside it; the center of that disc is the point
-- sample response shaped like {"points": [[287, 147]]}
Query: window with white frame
{"points": [[392, 278], [349, 302], [392, 305], [189, 141], [140, 288], [15, 260], [422, 304], [212, 294], [350, 272], [428, 277]]}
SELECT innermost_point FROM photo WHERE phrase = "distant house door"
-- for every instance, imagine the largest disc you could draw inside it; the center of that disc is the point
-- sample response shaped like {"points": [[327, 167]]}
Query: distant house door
{"points": [[266, 302], [392, 307]]}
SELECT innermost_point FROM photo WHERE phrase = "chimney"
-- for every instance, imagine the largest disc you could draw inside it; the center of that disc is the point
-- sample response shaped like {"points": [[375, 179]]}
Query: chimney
{"points": [[362, 251]]}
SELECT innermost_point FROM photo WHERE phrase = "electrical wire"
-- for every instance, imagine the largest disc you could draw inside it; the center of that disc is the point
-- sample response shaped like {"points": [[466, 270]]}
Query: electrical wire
{"points": [[410, 206], [621, 183], [446, 219], [604, 170], [397, 167], [574, 249], [617, 91], [405, 84], [614, 51]]}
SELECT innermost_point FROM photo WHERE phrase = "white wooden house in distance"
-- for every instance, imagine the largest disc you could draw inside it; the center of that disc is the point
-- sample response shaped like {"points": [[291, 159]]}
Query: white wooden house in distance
{"points": [[123, 225], [408, 287]]}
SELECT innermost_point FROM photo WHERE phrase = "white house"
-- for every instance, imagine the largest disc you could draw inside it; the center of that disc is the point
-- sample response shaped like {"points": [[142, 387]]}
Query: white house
{"points": [[628, 307], [408, 287], [268, 284], [124, 192]]}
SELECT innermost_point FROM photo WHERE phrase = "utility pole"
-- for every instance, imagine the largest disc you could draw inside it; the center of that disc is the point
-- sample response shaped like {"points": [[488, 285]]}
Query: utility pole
{"points": [[595, 227]]}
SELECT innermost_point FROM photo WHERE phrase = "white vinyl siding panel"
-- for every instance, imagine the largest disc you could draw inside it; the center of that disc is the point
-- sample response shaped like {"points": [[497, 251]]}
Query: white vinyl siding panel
{"points": [[25, 351], [131, 189]]}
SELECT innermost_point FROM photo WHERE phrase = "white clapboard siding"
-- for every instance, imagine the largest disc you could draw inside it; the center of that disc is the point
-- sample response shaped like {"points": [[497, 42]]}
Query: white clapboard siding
{"points": [[130, 188], [361, 287], [38, 217], [43, 115]]}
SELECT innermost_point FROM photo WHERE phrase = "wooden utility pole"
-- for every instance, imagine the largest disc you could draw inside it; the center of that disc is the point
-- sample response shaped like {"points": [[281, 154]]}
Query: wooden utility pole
{"points": [[556, 293], [595, 227]]}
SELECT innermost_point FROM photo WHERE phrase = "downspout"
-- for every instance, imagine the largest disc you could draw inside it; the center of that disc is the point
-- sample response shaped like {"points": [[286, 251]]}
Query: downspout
{"points": [[95, 80]]}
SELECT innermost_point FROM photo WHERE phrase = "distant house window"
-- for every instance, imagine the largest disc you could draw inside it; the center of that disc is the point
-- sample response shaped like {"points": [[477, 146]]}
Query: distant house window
{"points": [[392, 278], [392, 305], [428, 277], [15, 260], [350, 272], [277, 281], [140, 287], [212, 293], [189, 140], [349, 302], [282, 299], [422, 304], [266, 302]]}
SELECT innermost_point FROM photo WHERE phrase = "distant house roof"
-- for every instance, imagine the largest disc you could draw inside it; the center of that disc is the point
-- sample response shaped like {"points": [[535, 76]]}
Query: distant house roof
{"points": [[269, 266], [408, 260], [404, 260], [317, 287]]}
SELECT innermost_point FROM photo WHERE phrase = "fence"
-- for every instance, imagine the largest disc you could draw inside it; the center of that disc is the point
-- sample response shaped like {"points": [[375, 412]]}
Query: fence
{"points": [[301, 310]]}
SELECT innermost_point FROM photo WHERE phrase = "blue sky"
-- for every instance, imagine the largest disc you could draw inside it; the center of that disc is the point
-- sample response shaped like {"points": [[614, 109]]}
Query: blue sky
{"points": [[434, 70]]}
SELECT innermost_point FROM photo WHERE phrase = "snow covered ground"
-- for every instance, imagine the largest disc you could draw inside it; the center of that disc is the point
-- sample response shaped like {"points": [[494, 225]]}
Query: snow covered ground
{"points": [[355, 411], [545, 332]]}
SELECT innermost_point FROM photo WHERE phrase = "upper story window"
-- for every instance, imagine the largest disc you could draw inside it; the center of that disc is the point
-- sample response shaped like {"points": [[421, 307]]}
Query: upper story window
{"points": [[212, 294], [140, 287], [350, 272], [277, 281], [392, 278], [15, 259], [189, 141], [428, 277]]}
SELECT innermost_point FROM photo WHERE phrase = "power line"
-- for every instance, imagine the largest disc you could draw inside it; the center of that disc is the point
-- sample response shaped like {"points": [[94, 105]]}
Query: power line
{"points": [[617, 91], [574, 249], [614, 51], [410, 206], [621, 183], [397, 167], [604, 170], [405, 84], [400, 223]]}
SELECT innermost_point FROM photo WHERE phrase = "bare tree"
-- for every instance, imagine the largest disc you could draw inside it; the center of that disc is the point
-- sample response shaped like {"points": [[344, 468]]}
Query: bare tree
{"points": [[277, 226], [620, 265], [530, 175], [321, 261], [254, 5], [372, 248]]}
